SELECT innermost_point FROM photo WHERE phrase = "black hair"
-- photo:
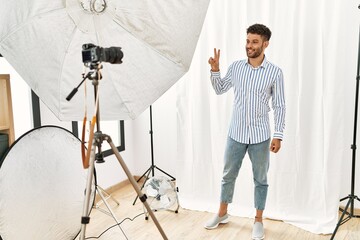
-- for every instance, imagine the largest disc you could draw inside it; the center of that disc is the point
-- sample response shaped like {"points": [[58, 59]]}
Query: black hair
{"points": [[261, 30]]}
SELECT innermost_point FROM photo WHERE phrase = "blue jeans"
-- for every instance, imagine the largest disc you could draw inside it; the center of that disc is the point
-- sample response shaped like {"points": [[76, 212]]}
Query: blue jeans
{"points": [[234, 154]]}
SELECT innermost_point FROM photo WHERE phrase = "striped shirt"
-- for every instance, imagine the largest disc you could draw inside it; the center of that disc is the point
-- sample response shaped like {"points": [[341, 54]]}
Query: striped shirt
{"points": [[253, 88]]}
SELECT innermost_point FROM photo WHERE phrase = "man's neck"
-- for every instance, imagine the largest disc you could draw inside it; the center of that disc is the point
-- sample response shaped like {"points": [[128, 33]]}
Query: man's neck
{"points": [[256, 62]]}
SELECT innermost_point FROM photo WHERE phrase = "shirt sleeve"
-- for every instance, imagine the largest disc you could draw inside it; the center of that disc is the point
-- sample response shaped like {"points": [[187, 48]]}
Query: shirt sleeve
{"points": [[221, 85], [278, 105]]}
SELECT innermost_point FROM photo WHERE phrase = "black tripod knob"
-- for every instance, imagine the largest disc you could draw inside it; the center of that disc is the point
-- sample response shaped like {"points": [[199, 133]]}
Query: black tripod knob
{"points": [[99, 158]]}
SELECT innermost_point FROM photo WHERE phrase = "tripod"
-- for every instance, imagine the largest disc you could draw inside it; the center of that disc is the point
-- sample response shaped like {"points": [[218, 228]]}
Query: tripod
{"points": [[152, 168], [98, 139], [351, 197]]}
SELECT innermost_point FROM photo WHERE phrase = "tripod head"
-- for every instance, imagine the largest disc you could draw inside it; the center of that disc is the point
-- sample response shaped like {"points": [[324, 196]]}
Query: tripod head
{"points": [[94, 73]]}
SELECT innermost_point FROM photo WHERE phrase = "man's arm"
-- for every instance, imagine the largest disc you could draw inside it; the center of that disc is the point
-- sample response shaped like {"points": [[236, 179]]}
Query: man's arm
{"points": [[220, 85], [278, 105]]}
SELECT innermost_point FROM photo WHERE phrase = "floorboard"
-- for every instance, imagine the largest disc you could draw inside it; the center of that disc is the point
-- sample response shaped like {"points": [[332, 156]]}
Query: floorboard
{"points": [[188, 225]]}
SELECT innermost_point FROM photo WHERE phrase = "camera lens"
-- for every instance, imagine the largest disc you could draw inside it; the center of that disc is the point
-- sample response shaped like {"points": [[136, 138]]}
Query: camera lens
{"points": [[113, 55]]}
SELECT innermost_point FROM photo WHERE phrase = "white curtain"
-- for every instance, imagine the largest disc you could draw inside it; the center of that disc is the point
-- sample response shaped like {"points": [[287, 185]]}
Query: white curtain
{"points": [[315, 43]]}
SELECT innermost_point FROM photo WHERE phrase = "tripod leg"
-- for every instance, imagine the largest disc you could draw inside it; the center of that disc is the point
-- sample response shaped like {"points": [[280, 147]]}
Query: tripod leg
{"points": [[135, 185], [147, 173], [85, 219], [142, 186], [356, 198], [341, 220], [105, 195], [172, 178]]}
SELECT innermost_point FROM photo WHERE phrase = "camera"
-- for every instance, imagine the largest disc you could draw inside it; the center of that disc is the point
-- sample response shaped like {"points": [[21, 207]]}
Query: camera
{"points": [[95, 54]]}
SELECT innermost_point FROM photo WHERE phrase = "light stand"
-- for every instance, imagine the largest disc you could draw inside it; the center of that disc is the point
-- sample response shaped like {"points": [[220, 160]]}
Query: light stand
{"points": [[351, 197], [152, 168], [104, 197], [99, 137]]}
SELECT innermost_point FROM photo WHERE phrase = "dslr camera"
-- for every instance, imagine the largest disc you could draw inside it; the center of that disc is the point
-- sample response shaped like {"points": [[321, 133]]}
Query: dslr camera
{"points": [[95, 54]]}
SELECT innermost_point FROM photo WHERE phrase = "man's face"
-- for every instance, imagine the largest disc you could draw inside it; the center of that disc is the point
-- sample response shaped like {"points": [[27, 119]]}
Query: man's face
{"points": [[255, 45]]}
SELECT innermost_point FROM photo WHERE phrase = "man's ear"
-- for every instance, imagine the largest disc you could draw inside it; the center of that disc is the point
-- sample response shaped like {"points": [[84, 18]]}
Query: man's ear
{"points": [[266, 43]]}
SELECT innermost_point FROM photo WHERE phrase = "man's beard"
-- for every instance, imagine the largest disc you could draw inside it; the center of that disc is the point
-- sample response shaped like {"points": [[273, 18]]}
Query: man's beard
{"points": [[254, 54]]}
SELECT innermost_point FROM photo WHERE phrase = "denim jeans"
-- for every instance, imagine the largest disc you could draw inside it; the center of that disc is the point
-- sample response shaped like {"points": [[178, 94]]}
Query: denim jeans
{"points": [[234, 154]]}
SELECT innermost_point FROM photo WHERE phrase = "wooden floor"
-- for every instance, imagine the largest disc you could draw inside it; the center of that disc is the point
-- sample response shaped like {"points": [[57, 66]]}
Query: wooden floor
{"points": [[188, 225]]}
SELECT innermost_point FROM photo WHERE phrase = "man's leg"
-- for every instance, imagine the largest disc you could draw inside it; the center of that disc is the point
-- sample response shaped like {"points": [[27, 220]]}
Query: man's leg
{"points": [[234, 155], [259, 215], [222, 209], [259, 156]]}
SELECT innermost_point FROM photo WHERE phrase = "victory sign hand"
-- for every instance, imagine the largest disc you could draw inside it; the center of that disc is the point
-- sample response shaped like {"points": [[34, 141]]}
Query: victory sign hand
{"points": [[214, 61]]}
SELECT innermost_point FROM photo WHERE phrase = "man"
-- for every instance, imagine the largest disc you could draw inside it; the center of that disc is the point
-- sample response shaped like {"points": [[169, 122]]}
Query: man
{"points": [[254, 81]]}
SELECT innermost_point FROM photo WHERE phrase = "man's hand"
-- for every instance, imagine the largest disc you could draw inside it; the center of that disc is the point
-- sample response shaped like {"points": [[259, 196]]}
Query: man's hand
{"points": [[275, 145], [214, 61]]}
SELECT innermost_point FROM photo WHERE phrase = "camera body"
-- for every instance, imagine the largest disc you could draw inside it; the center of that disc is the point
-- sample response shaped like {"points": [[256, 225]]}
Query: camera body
{"points": [[95, 54]]}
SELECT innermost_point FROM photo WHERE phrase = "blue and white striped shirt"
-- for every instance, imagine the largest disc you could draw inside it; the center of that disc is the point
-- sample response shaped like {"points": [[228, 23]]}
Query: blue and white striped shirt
{"points": [[253, 88]]}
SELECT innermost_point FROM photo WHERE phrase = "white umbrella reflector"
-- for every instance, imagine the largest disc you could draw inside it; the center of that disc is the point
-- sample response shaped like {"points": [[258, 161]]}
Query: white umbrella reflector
{"points": [[43, 41]]}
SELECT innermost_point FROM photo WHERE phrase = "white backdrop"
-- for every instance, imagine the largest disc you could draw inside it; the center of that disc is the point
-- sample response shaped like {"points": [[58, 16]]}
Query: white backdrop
{"points": [[315, 43]]}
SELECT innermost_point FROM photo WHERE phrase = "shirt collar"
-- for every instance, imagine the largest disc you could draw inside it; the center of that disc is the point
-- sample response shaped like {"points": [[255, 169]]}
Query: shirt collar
{"points": [[262, 65]]}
